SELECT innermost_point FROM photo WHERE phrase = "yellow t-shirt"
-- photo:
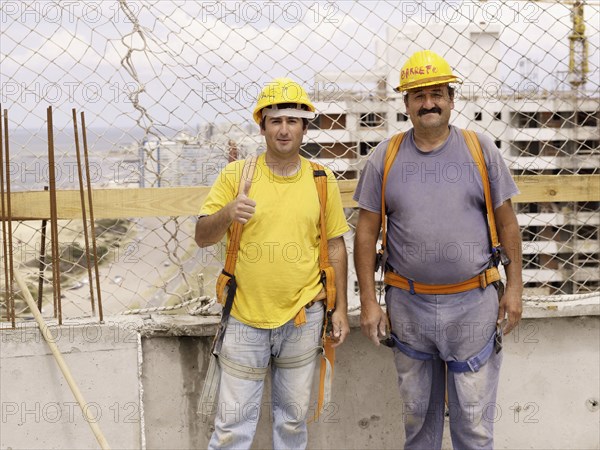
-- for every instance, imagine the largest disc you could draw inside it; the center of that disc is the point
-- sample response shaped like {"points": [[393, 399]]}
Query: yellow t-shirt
{"points": [[277, 270]]}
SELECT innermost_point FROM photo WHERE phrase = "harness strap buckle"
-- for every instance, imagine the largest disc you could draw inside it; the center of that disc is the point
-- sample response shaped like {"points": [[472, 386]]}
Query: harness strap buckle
{"points": [[378, 260], [475, 362], [503, 256], [483, 280]]}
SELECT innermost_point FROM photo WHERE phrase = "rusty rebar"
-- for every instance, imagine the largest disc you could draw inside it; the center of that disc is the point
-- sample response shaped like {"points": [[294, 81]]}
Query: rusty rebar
{"points": [[11, 275], [83, 211], [54, 221], [91, 208], [4, 246], [42, 266]]}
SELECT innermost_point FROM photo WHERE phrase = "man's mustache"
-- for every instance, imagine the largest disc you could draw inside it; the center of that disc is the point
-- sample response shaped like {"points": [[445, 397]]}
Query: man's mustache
{"points": [[435, 109]]}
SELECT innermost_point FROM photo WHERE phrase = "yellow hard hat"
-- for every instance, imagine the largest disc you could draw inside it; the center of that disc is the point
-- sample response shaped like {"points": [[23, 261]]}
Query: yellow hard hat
{"points": [[282, 90], [425, 68]]}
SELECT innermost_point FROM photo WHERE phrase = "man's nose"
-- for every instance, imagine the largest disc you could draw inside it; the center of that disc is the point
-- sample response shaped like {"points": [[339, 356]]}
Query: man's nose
{"points": [[428, 101]]}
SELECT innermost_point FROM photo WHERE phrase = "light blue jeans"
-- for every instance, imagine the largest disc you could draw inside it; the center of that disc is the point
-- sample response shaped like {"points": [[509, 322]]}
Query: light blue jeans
{"points": [[455, 326], [240, 394]]}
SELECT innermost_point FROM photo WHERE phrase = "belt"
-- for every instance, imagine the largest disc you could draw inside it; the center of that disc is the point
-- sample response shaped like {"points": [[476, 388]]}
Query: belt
{"points": [[482, 280], [300, 318]]}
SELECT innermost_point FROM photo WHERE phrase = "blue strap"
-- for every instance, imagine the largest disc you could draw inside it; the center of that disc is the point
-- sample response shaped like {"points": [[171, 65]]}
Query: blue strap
{"points": [[411, 352], [411, 285], [474, 363]]}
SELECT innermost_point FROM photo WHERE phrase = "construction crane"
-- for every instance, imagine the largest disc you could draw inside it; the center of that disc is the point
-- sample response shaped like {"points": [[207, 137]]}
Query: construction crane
{"points": [[578, 45]]}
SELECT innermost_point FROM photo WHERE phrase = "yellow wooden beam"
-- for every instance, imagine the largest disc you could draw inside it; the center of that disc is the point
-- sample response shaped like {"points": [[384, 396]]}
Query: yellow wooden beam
{"points": [[112, 203], [186, 201], [558, 188]]}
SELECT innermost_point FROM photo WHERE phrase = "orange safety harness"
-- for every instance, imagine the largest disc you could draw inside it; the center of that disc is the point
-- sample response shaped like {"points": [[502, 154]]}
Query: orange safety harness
{"points": [[488, 276], [226, 283]]}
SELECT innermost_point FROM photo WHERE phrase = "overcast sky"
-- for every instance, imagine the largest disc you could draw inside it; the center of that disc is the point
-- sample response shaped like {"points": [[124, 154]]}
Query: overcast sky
{"points": [[205, 61]]}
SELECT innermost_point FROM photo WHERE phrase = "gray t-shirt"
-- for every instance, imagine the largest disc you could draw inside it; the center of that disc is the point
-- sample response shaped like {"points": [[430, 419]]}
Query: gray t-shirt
{"points": [[437, 227]]}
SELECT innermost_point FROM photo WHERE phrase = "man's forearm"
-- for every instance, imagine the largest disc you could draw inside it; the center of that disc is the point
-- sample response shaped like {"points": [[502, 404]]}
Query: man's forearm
{"points": [[372, 318], [511, 305], [210, 229], [364, 262], [510, 238], [338, 258], [365, 246]]}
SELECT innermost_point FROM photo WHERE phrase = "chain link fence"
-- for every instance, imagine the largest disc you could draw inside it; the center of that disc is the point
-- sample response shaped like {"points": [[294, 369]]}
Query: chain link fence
{"points": [[168, 88]]}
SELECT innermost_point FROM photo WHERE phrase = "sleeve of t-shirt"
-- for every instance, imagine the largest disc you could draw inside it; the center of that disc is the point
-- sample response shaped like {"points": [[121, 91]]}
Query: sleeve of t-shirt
{"points": [[502, 185], [223, 190], [368, 189], [334, 213]]}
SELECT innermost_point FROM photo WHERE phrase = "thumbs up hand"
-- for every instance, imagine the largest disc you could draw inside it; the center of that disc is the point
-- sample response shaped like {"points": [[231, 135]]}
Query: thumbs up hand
{"points": [[242, 208]]}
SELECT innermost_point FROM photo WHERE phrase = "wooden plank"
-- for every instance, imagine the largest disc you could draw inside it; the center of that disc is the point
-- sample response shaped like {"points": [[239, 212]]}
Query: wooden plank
{"points": [[558, 188], [113, 203], [347, 188], [186, 201]]}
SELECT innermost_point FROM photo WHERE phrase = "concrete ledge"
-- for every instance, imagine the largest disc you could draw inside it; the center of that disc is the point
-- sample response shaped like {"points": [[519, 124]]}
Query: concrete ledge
{"points": [[566, 308], [158, 325], [164, 325]]}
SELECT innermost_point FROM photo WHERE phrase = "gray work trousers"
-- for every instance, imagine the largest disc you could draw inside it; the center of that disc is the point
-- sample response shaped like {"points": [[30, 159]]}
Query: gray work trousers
{"points": [[455, 327]]}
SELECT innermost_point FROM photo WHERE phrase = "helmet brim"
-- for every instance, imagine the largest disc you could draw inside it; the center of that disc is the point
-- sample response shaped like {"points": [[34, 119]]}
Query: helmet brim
{"points": [[428, 82]]}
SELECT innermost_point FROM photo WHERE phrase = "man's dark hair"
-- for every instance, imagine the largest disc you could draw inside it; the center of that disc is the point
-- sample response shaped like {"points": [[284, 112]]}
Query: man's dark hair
{"points": [[284, 106], [451, 92]]}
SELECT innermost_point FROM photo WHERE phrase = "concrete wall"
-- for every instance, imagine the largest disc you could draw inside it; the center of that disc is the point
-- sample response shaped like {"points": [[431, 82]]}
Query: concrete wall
{"points": [[37, 407], [550, 381]]}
